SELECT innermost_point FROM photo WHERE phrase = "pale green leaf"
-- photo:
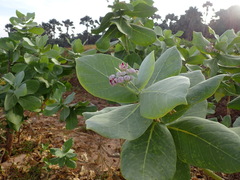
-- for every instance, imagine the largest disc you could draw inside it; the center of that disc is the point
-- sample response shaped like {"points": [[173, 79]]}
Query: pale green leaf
{"points": [[168, 64], [30, 102], [124, 122], [204, 90], [93, 73], [160, 98], [145, 71], [151, 156], [206, 144]]}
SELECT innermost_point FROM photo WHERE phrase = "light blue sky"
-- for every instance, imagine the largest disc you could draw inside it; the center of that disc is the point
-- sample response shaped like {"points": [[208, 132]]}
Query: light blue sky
{"points": [[76, 9]]}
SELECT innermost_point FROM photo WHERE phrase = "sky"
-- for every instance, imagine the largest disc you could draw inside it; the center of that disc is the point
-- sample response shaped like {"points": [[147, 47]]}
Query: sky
{"points": [[76, 9]]}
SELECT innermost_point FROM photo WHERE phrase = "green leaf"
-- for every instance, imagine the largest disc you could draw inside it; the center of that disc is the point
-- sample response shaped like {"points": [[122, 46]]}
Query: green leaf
{"points": [[124, 122], [145, 71], [88, 115], [70, 163], [206, 144], [93, 72], [168, 64], [151, 156], [10, 101], [77, 46], [4, 89], [51, 109], [18, 79], [236, 77], [227, 121], [64, 113], [197, 110], [105, 22], [236, 130], [212, 64], [21, 91], [229, 35], [228, 60], [69, 98], [142, 36], [32, 86], [15, 116], [9, 77], [195, 77], [37, 30], [41, 41], [16, 68], [204, 90], [72, 120], [103, 43], [200, 42], [30, 102], [132, 59], [67, 145], [19, 14], [160, 98], [182, 171], [141, 10], [237, 122], [137, 34]]}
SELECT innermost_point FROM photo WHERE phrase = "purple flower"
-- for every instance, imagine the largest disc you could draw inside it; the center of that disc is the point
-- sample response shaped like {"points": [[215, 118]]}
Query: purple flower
{"points": [[113, 81], [127, 78], [123, 66], [131, 71], [120, 79], [111, 77]]}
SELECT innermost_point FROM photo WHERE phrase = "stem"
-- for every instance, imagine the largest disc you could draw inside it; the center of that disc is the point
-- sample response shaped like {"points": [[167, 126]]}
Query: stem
{"points": [[9, 145], [9, 61], [134, 87], [212, 174], [228, 110]]}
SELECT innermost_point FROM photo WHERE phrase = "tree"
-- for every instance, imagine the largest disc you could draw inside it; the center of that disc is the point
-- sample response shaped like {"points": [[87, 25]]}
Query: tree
{"points": [[226, 19], [54, 24], [189, 22], [207, 7], [67, 23], [88, 22], [9, 28]]}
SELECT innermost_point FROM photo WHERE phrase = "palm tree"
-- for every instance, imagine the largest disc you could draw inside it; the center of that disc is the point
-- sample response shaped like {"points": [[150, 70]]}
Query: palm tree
{"points": [[54, 25], [67, 23]]}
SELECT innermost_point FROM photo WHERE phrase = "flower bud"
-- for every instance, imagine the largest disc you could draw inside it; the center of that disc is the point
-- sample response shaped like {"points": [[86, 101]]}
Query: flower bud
{"points": [[120, 79], [123, 66], [131, 71], [113, 81], [111, 77], [127, 78]]}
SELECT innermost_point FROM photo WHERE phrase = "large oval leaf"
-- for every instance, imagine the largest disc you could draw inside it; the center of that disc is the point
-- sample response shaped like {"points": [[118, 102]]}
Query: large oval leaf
{"points": [[137, 34], [204, 89], [124, 122], [168, 64], [235, 103], [93, 72], [206, 144], [103, 43], [30, 102], [10, 101], [160, 98], [141, 10], [145, 71], [152, 156]]}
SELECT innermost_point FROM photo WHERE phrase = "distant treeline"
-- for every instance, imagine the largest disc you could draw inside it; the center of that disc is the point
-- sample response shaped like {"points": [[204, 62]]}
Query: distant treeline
{"points": [[192, 20]]}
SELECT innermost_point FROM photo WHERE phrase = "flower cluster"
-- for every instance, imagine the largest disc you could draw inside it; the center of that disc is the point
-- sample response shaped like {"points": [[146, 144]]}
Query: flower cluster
{"points": [[210, 48], [125, 74]]}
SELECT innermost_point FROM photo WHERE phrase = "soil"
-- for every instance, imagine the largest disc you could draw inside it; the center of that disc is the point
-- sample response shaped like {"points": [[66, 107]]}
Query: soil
{"points": [[97, 157]]}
